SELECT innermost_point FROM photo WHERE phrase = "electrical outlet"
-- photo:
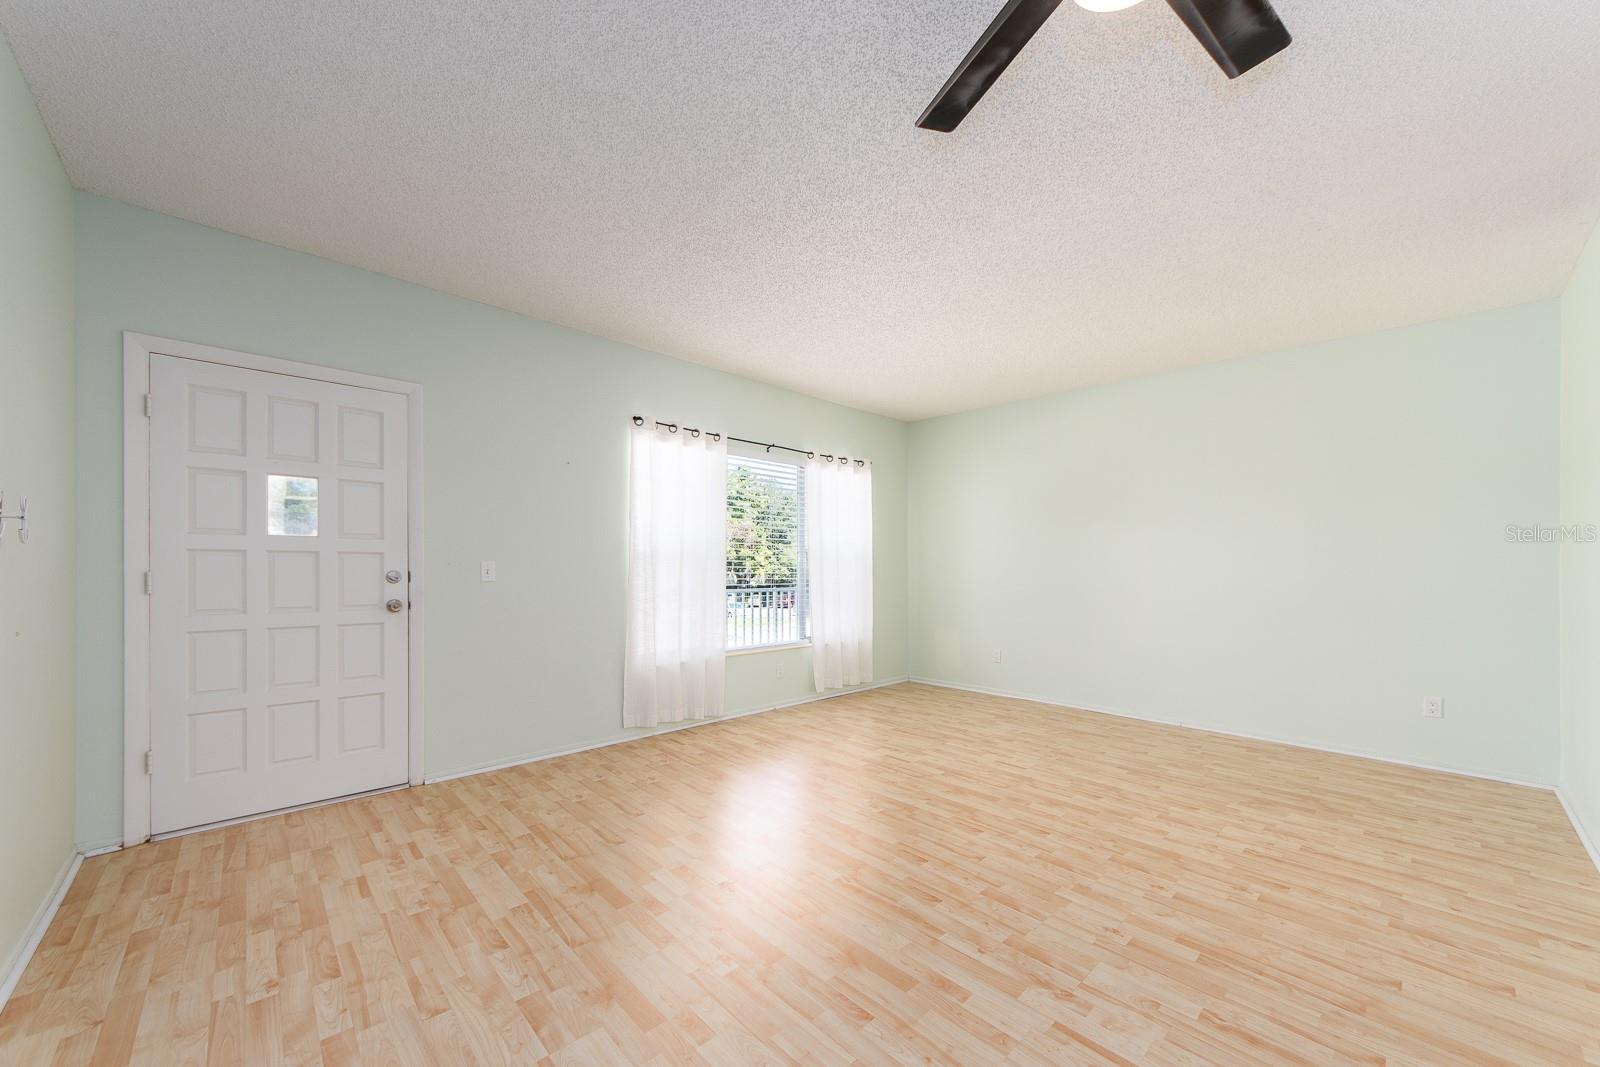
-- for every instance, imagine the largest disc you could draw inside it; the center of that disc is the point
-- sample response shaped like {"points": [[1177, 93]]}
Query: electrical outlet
{"points": [[486, 571], [780, 670], [996, 656], [1433, 707]]}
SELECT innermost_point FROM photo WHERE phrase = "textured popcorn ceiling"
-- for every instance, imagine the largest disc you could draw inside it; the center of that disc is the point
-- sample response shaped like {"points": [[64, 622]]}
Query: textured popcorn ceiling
{"points": [[738, 182]]}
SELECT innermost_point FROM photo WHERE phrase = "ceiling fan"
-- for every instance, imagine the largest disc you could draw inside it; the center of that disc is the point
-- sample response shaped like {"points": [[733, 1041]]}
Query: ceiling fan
{"points": [[1238, 33]]}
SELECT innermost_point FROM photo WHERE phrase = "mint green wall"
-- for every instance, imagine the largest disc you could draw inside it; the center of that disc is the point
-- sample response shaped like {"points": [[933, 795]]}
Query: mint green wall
{"points": [[1580, 563], [525, 437], [1302, 545], [36, 442]]}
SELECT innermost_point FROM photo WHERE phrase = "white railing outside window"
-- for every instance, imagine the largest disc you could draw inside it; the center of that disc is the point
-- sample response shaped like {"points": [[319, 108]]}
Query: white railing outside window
{"points": [[763, 615]]}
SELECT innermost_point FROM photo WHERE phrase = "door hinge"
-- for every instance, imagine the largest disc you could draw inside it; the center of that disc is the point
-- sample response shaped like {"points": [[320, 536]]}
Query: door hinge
{"points": [[149, 584], [149, 761], [148, 405]]}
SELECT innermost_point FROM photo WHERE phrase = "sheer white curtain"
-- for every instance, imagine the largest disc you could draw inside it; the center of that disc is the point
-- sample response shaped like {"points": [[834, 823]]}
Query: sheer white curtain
{"points": [[677, 639], [839, 556]]}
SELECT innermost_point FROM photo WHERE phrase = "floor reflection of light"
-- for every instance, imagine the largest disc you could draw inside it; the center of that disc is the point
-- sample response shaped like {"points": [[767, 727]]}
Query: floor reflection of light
{"points": [[763, 817]]}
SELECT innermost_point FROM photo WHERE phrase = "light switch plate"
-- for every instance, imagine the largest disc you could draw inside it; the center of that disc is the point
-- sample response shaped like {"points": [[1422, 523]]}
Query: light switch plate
{"points": [[486, 571]]}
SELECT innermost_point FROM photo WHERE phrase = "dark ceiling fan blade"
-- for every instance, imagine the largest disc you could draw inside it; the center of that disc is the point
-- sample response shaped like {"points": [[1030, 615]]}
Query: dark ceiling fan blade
{"points": [[1017, 22], [1238, 33]]}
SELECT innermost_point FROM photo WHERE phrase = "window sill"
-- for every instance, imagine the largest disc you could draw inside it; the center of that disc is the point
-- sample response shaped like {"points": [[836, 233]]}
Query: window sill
{"points": [[769, 648]]}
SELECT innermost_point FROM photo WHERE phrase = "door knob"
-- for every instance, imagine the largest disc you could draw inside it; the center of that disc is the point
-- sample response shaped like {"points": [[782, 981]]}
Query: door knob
{"points": [[394, 605]]}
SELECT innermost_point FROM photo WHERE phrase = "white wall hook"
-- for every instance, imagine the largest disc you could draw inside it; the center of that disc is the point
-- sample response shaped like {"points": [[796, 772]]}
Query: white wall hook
{"points": [[21, 517]]}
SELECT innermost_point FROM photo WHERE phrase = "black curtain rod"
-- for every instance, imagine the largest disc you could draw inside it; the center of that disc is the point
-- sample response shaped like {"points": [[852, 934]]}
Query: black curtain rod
{"points": [[638, 420]]}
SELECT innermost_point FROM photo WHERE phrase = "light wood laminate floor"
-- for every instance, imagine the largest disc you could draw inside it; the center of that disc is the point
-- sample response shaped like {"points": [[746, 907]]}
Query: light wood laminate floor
{"points": [[905, 876]]}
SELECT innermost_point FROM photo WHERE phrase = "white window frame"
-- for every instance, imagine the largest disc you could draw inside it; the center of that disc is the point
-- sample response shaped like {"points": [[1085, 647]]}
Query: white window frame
{"points": [[137, 348]]}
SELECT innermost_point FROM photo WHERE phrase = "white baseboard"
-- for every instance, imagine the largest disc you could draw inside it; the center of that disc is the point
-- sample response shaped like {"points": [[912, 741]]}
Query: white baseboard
{"points": [[34, 933], [91, 849], [1591, 843], [488, 768], [1291, 742]]}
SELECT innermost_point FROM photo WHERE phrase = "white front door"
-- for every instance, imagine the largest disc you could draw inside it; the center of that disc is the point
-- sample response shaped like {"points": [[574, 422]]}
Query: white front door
{"points": [[278, 643]]}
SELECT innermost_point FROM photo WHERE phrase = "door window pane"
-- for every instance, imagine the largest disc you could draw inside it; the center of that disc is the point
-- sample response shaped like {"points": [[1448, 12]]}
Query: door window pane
{"points": [[291, 505]]}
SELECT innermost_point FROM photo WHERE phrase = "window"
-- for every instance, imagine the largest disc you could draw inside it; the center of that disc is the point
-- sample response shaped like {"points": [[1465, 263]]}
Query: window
{"points": [[291, 505], [767, 591]]}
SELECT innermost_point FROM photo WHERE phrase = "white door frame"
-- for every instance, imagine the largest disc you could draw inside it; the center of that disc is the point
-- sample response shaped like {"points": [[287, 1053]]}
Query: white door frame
{"points": [[137, 348]]}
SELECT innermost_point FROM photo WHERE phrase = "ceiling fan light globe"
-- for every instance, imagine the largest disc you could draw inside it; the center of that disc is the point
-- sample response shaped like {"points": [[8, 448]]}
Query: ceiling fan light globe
{"points": [[1104, 6]]}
